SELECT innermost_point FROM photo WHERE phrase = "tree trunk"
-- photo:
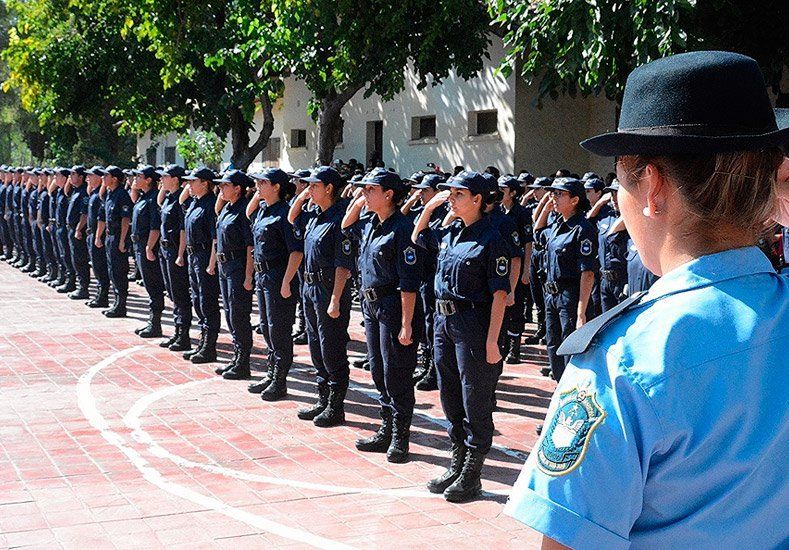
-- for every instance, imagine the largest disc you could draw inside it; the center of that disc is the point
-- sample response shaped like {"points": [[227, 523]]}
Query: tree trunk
{"points": [[244, 154], [329, 121]]}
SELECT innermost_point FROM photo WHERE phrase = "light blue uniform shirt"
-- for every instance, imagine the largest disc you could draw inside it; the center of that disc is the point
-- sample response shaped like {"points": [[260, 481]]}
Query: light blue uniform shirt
{"points": [[672, 430]]}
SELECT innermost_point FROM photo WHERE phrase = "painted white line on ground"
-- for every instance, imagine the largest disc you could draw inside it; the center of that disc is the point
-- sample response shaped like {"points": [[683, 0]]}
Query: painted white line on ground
{"points": [[87, 404]]}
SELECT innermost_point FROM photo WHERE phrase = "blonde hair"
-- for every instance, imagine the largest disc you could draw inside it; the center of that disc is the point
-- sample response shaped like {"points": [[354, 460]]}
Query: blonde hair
{"points": [[728, 190]]}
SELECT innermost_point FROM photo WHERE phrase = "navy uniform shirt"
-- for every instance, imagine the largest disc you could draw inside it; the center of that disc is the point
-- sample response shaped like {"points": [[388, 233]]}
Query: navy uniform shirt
{"points": [[611, 247], [117, 205], [3, 189], [387, 257], [172, 216], [32, 205], [61, 207], [23, 201], [785, 239], [77, 206], [639, 278], [95, 210], [200, 221], [275, 239], [570, 249], [146, 215], [233, 230], [43, 207], [521, 217], [302, 221], [17, 199], [473, 262], [509, 232], [325, 247]]}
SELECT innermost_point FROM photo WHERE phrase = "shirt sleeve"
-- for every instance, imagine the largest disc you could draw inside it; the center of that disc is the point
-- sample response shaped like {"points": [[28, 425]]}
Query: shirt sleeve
{"points": [[355, 231], [410, 261], [344, 248], [498, 266], [126, 206], [583, 483], [245, 227], [155, 216], [587, 249], [511, 234], [294, 238]]}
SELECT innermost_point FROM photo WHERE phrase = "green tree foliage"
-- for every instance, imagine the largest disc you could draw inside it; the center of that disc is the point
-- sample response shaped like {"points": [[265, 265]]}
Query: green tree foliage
{"points": [[197, 148], [590, 46], [339, 47]]}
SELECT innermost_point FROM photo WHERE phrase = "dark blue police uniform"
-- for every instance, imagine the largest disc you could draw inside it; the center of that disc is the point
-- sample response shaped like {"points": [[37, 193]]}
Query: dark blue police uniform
{"points": [[78, 207], [612, 254], [98, 257], [639, 278], [145, 218], [117, 205], [47, 237], [64, 247], [38, 245], [176, 278]]}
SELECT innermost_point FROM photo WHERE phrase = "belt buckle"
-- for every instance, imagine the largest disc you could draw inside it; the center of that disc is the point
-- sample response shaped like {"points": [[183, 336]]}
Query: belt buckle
{"points": [[447, 307], [221, 257], [258, 267], [552, 287], [370, 295], [308, 278]]}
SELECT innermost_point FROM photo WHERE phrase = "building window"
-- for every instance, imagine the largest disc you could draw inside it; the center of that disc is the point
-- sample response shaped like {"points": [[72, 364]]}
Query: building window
{"points": [[423, 127], [483, 123], [150, 156], [169, 155], [270, 153], [298, 138]]}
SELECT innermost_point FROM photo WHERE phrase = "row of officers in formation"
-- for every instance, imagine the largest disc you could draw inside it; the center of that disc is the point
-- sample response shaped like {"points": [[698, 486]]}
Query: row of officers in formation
{"points": [[448, 269]]}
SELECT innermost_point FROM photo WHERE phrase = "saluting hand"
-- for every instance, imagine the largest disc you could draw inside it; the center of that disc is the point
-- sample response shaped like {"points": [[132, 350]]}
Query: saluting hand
{"points": [[439, 199]]}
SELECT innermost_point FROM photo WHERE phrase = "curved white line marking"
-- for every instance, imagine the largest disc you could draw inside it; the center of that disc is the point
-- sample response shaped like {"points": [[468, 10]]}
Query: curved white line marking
{"points": [[87, 404]]}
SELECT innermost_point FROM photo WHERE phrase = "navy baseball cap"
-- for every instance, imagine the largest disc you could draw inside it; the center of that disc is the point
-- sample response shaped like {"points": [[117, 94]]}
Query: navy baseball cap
{"points": [[541, 183], [526, 179], [114, 171], [62, 171], [467, 179], [383, 178], [510, 182], [147, 171], [202, 173], [326, 175], [49, 172], [274, 175], [571, 185], [96, 170], [416, 177], [173, 170], [300, 174], [235, 177], [79, 169], [594, 183], [589, 176], [614, 187], [430, 181]]}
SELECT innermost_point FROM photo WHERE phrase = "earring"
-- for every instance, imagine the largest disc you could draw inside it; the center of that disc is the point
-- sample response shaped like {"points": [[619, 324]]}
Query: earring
{"points": [[646, 211]]}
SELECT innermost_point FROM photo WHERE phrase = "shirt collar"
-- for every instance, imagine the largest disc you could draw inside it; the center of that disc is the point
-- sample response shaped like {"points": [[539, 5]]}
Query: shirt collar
{"points": [[710, 269]]}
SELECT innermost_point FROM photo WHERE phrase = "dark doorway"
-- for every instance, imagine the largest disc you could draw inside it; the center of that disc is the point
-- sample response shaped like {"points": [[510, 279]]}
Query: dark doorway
{"points": [[375, 142]]}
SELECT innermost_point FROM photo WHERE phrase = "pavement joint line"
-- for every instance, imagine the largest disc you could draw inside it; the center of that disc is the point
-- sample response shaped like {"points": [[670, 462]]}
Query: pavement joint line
{"points": [[87, 405]]}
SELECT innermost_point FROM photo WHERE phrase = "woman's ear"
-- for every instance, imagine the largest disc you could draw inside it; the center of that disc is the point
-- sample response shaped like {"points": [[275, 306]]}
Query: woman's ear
{"points": [[656, 188]]}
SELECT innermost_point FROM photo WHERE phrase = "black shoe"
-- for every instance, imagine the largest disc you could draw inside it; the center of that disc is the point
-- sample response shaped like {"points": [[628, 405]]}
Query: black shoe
{"points": [[80, 294], [241, 370], [468, 485], [154, 327], [545, 371], [300, 339], [429, 381], [258, 328], [115, 312], [359, 363], [200, 344], [182, 341], [514, 357], [401, 433], [207, 353], [68, 286], [366, 366], [278, 387], [259, 387], [310, 413], [222, 369], [458, 457], [334, 413], [378, 442], [98, 302], [171, 340]]}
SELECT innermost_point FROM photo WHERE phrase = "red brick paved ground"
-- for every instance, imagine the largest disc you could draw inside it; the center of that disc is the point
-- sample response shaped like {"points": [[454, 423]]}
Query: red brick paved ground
{"points": [[109, 441]]}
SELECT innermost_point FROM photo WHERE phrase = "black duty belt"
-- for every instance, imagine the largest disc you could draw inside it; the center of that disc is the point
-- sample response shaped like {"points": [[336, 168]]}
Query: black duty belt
{"points": [[315, 277], [224, 257], [613, 274], [378, 293], [135, 239], [260, 267], [197, 247], [556, 287], [167, 243], [451, 307]]}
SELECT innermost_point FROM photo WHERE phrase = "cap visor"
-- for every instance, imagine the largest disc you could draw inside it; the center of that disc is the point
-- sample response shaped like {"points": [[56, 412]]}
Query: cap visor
{"points": [[451, 185]]}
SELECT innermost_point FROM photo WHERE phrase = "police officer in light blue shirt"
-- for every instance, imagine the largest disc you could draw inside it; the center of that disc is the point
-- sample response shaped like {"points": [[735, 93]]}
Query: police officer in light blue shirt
{"points": [[670, 427]]}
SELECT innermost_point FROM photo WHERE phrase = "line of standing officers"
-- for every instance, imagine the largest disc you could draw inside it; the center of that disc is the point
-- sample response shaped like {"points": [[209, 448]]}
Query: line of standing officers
{"points": [[447, 269]]}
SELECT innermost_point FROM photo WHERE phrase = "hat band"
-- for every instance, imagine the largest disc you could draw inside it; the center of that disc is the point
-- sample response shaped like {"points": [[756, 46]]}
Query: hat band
{"points": [[706, 130]]}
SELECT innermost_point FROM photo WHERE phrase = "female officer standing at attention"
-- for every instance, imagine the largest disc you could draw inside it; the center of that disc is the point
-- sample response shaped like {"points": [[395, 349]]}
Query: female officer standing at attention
{"points": [[634, 454], [236, 266], [472, 283], [172, 255], [328, 262], [612, 248], [571, 260], [391, 269], [98, 258], [200, 234], [117, 219], [278, 254]]}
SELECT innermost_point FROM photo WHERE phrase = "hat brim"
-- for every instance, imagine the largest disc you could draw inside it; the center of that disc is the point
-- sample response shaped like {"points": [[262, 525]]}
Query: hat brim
{"points": [[452, 185], [617, 144], [609, 189]]}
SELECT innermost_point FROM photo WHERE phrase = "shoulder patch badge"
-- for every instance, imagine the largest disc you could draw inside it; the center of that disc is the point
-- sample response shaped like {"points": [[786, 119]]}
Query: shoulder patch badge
{"points": [[516, 238], [297, 232], [586, 247], [564, 444], [410, 255], [346, 247], [502, 266]]}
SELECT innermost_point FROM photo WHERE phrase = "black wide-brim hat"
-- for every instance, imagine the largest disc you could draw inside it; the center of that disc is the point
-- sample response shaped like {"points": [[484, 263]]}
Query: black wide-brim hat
{"points": [[696, 103]]}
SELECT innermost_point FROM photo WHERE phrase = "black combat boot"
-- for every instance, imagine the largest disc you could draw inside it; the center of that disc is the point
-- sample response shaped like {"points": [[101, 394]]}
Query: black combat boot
{"points": [[265, 382], [117, 310], [182, 341], [81, 293], [422, 364], [200, 344], [323, 401], [458, 458], [60, 280], [468, 485], [101, 299], [278, 387], [29, 267], [515, 351], [378, 442], [429, 381], [207, 353], [222, 369], [40, 271], [171, 340], [154, 327], [69, 286], [241, 370], [537, 336], [401, 434], [334, 413]]}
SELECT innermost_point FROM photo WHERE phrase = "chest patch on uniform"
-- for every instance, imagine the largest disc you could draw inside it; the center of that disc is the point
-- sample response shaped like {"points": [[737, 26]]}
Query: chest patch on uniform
{"points": [[297, 232], [410, 255], [586, 247], [516, 238], [346, 247], [502, 266], [564, 444]]}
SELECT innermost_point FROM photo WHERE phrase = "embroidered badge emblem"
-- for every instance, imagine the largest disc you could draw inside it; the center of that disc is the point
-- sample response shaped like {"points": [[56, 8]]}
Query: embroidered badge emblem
{"points": [[586, 247], [516, 238], [502, 266], [346, 247], [410, 255], [297, 232], [564, 444]]}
